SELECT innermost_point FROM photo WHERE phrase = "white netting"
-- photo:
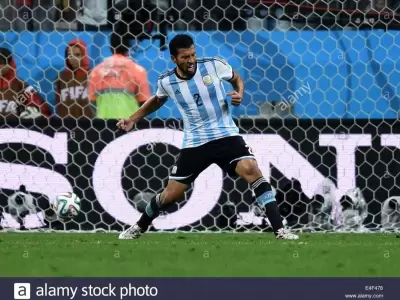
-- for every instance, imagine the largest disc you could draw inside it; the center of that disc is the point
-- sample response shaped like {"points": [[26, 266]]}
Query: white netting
{"points": [[320, 111]]}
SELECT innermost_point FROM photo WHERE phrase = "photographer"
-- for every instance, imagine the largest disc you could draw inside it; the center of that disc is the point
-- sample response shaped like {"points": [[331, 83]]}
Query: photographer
{"points": [[322, 210], [23, 211], [354, 210], [390, 219]]}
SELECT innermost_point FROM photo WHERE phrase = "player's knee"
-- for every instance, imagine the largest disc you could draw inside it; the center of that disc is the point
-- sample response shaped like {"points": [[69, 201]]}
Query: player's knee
{"points": [[170, 195], [248, 168]]}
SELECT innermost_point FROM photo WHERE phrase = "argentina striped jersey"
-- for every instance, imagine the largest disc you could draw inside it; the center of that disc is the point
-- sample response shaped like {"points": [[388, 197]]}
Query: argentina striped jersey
{"points": [[201, 101]]}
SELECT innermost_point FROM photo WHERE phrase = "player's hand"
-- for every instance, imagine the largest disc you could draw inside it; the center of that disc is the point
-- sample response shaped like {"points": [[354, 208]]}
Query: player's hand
{"points": [[125, 124], [236, 98]]}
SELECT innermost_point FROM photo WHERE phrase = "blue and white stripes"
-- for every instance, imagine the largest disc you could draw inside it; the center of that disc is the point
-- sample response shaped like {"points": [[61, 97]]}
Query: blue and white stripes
{"points": [[201, 101]]}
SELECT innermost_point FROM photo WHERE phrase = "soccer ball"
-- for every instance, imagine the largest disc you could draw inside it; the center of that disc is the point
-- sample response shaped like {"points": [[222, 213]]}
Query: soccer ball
{"points": [[67, 206]]}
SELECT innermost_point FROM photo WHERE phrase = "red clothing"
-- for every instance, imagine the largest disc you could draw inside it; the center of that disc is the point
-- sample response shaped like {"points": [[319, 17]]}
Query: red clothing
{"points": [[71, 86], [16, 96], [24, 2]]}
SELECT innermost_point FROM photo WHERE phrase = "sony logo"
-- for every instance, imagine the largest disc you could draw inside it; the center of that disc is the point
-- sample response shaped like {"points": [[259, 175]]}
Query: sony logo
{"points": [[269, 149]]}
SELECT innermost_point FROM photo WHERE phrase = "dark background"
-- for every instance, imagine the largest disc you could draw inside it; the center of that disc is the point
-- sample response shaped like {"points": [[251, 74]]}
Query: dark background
{"points": [[190, 14]]}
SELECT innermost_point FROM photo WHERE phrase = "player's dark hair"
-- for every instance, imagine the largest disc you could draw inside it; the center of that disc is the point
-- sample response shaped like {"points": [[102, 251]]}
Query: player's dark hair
{"points": [[119, 44], [5, 56], [180, 41]]}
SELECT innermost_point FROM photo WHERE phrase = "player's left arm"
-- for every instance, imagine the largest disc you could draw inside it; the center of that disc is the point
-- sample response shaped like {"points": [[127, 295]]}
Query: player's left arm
{"points": [[226, 72], [238, 86]]}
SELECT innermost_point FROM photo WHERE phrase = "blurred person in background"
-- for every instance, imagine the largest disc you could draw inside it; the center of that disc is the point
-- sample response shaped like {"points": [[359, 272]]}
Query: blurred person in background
{"points": [[22, 15], [24, 211], [323, 208], [141, 19], [67, 14], [390, 218], [118, 85], [71, 86], [17, 98], [44, 14], [91, 13], [20, 205], [33, 15], [354, 210]]}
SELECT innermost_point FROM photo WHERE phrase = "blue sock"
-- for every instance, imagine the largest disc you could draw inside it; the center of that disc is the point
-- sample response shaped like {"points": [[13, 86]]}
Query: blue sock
{"points": [[263, 191], [265, 198], [153, 207], [152, 211]]}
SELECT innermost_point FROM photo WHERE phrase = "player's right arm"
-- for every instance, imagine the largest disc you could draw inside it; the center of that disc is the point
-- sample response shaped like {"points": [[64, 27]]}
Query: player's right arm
{"points": [[151, 105]]}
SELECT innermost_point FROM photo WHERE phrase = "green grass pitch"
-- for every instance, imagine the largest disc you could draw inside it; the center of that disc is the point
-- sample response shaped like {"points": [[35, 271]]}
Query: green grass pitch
{"points": [[199, 255]]}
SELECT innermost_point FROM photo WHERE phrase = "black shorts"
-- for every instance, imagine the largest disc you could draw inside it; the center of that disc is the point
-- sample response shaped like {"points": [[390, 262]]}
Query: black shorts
{"points": [[224, 152]]}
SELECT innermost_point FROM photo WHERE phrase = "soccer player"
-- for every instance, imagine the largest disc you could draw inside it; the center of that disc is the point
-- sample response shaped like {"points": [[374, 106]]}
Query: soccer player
{"points": [[211, 136]]}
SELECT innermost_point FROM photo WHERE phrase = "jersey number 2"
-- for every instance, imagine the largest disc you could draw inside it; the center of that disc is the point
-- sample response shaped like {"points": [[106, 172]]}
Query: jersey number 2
{"points": [[249, 149], [197, 99]]}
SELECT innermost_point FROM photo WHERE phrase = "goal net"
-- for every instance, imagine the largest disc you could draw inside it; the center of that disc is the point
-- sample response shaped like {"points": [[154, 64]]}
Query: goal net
{"points": [[320, 113]]}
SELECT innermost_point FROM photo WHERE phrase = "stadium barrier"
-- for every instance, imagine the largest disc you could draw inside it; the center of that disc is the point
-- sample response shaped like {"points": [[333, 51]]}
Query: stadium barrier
{"points": [[115, 172], [321, 74]]}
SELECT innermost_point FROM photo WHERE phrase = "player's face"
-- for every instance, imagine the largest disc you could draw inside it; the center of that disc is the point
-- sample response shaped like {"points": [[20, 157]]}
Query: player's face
{"points": [[75, 56], [186, 60]]}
